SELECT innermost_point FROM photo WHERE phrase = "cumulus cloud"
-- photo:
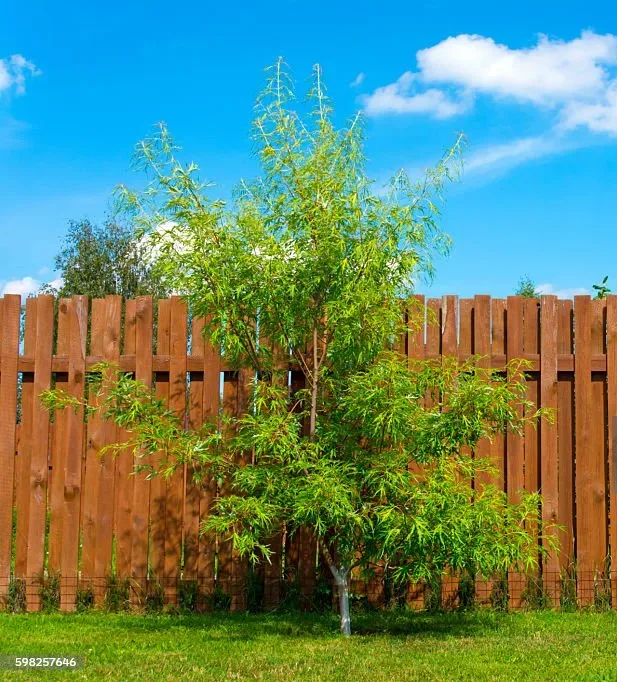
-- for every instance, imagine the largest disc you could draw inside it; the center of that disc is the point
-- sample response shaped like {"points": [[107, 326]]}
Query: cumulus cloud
{"points": [[26, 286], [13, 73], [402, 97], [561, 293], [358, 80], [575, 79]]}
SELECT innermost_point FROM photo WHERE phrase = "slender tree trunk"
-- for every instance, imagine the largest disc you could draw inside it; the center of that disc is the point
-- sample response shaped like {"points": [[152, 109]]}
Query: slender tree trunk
{"points": [[343, 603], [314, 386], [341, 575]]}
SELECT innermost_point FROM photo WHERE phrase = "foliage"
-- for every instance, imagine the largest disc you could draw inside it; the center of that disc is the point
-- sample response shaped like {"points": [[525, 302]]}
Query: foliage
{"points": [[84, 599], [49, 591], [602, 289], [310, 264], [108, 259], [117, 594], [526, 288], [16, 596]]}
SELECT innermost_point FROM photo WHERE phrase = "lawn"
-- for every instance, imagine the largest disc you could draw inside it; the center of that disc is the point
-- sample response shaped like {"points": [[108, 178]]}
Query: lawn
{"points": [[386, 646]]}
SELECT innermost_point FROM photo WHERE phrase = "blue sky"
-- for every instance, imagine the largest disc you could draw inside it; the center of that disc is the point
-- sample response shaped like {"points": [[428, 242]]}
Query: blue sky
{"points": [[533, 88]]}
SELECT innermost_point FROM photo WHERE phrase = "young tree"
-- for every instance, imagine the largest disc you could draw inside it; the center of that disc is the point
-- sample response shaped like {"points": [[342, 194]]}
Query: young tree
{"points": [[526, 288], [309, 265], [108, 259]]}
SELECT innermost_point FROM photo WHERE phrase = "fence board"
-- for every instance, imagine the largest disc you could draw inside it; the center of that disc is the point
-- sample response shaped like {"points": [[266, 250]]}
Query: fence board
{"points": [[40, 448], [515, 474], [107, 462], [565, 438], [449, 348], [95, 441], [73, 451], [141, 486], [125, 481], [498, 346], [58, 451], [158, 488], [175, 483], [22, 493], [549, 471], [9, 349], [611, 375], [586, 507]]}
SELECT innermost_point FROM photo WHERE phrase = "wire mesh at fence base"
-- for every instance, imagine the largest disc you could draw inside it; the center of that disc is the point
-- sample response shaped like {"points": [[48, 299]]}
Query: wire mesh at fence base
{"points": [[513, 591]]}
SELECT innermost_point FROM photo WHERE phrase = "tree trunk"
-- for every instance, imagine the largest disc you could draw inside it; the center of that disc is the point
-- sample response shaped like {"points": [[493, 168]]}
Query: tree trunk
{"points": [[343, 602]]}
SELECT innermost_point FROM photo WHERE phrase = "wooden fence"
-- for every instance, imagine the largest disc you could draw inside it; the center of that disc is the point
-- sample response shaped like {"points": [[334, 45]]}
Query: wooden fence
{"points": [[66, 510]]}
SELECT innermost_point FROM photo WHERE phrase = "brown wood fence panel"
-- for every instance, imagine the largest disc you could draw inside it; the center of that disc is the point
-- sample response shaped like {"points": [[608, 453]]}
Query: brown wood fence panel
{"points": [[58, 449], [125, 483], [9, 352], [22, 492], [40, 449], [566, 437], [95, 441], [141, 486], [73, 447], [175, 483], [104, 520], [549, 463]]}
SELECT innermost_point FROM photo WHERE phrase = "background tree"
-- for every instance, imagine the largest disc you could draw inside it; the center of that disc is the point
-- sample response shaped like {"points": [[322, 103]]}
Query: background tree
{"points": [[602, 289], [109, 259], [310, 264], [526, 288]]}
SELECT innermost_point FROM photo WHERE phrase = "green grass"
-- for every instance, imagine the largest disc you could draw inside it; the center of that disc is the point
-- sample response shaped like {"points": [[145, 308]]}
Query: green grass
{"points": [[386, 646]]}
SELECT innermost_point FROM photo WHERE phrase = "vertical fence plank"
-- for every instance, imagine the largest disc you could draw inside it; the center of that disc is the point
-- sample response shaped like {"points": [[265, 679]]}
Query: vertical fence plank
{"points": [[415, 352], [482, 348], [175, 484], [58, 453], [22, 492], [515, 465], [565, 437], [9, 353], [587, 512], [95, 436], [124, 467], [449, 349], [194, 487], [549, 471], [40, 448], [599, 442], [158, 488], [611, 375], [498, 447], [211, 414], [141, 486], [531, 345], [224, 575], [73, 448], [107, 462]]}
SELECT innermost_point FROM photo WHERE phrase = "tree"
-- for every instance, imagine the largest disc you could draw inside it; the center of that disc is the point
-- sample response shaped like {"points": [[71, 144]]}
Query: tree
{"points": [[309, 265], [110, 259], [602, 289], [526, 288]]}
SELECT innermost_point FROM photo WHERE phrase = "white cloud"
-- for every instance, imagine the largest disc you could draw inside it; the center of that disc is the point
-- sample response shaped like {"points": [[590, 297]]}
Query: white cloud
{"points": [[575, 79], [516, 152], [548, 73], [561, 293], [401, 97], [26, 286], [13, 72], [358, 80]]}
